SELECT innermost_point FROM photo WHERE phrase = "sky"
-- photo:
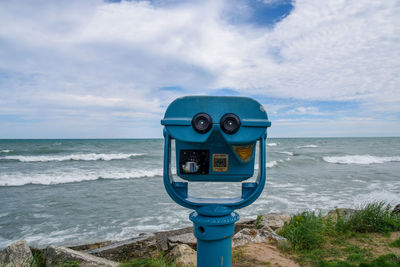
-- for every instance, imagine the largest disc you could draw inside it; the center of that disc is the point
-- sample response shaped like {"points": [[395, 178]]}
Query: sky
{"points": [[109, 69]]}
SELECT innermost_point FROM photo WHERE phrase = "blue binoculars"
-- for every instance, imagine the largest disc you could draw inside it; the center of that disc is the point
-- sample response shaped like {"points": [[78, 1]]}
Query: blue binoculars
{"points": [[215, 141]]}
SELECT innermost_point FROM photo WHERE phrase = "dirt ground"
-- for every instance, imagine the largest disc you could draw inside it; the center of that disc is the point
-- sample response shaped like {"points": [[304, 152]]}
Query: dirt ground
{"points": [[261, 254], [266, 254], [378, 244]]}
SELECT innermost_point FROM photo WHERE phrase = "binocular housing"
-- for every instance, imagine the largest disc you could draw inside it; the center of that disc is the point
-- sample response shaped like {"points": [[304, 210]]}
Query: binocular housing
{"points": [[215, 137], [215, 141]]}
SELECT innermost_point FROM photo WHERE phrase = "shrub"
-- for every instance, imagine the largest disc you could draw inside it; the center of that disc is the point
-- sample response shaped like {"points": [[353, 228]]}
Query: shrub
{"points": [[305, 231], [373, 217]]}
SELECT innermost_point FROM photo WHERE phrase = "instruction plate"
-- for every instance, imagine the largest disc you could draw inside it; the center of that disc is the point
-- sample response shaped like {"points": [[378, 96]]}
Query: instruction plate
{"points": [[220, 162]]}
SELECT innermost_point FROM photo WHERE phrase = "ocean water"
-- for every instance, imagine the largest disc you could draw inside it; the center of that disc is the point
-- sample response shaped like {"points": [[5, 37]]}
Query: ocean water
{"points": [[71, 192]]}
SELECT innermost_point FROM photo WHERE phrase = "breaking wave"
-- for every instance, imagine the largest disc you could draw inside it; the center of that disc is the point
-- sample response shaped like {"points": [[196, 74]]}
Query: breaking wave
{"points": [[286, 153], [308, 146], [84, 157], [272, 144], [271, 164], [5, 151], [73, 177], [361, 159]]}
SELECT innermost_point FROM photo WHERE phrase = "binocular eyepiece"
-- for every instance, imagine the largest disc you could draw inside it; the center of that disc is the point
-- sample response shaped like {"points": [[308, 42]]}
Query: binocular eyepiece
{"points": [[202, 123], [229, 123]]}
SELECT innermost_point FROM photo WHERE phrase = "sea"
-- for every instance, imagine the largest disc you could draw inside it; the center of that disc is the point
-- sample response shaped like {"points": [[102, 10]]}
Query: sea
{"points": [[71, 192]]}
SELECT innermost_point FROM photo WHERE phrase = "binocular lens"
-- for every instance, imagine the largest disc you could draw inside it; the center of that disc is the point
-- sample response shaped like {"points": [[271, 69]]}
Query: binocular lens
{"points": [[230, 123], [202, 122]]}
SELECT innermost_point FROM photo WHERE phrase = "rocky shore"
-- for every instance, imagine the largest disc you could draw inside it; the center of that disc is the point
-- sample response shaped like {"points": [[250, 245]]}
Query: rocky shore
{"points": [[179, 245]]}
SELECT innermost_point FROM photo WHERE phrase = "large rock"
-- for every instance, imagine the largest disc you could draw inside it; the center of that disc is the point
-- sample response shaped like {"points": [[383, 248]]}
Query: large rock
{"points": [[144, 246], [57, 256], [91, 246], [396, 210], [17, 254], [140, 247], [251, 235], [183, 255], [244, 223], [274, 220], [188, 239]]}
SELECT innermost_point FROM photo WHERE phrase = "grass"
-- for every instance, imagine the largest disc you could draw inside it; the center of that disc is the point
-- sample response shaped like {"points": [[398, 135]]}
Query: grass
{"points": [[158, 261], [39, 259], [69, 264], [387, 260], [306, 231], [395, 244], [372, 218], [258, 222], [342, 241]]}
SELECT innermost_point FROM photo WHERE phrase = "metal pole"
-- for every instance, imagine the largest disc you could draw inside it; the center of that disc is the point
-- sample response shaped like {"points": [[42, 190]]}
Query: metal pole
{"points": [[214, 239]]}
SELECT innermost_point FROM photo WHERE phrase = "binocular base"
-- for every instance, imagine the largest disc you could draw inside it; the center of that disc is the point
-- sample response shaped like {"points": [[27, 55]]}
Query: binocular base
{"points": [[214, 239]]}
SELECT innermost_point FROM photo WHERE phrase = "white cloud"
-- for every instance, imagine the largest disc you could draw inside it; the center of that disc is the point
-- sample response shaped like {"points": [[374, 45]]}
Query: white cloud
{"points": [[342, 127], [306, 111], [92, 54]]}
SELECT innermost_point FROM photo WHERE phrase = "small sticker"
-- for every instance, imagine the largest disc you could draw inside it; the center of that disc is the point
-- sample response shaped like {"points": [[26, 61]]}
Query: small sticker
{"points": [[220, 162]]}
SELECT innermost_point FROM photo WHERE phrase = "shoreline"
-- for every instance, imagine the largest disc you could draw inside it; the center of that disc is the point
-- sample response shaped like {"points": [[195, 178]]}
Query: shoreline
{"points": [[248, 233]]}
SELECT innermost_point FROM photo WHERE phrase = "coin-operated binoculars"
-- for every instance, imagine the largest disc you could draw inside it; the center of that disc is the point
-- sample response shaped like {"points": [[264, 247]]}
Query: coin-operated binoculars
{"points": [[215, 140]]}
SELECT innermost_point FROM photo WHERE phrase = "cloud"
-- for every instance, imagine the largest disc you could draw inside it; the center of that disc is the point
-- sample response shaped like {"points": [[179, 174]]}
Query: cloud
{"points": [[347, 127], [111, 60], [306, 110]]}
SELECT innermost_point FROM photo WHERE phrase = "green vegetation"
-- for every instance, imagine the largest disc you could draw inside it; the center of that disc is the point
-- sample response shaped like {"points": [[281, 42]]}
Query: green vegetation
{"points": [[395, 244], [342, 241], [39, 259], [305, 231], [258, 222], [387, 260], [373, 218], [69, 264], [158, 261]]}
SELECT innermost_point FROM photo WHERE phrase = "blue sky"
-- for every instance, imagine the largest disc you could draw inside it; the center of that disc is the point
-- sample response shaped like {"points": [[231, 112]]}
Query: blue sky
{"points": [[108, 69]]}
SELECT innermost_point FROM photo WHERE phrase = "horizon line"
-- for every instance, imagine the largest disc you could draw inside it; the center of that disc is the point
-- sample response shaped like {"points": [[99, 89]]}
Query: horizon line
{"points": [[161, 138]]}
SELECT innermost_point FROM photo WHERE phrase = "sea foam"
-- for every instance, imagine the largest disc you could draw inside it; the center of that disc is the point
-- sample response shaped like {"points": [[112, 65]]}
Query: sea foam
{"points": [[308, 146], [272, 144], [285, 152], [74, 176], [84, 157], [273, 163], [360, 159]]}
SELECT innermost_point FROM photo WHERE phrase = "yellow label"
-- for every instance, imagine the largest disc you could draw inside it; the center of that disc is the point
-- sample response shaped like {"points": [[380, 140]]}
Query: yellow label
{"points": [[244, 152], [220, 162]]}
